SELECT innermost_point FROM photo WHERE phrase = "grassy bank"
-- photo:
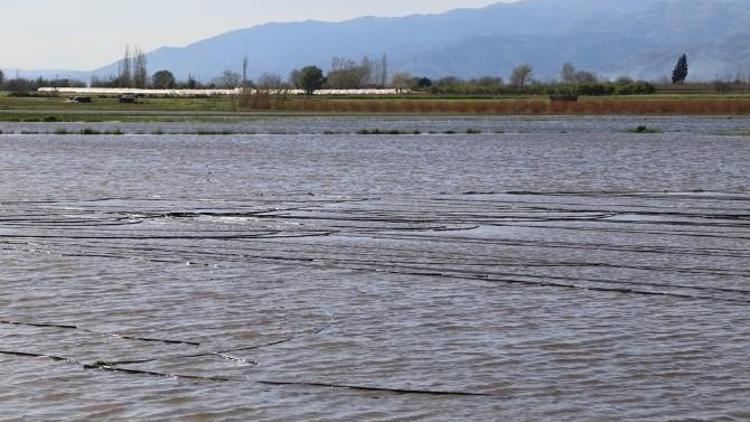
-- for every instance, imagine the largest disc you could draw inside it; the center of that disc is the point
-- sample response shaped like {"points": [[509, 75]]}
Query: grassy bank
{"points": [[53, 109], [9, 103]]}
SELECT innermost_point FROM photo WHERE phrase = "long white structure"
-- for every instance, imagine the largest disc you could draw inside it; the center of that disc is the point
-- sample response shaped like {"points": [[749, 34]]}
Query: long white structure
{"points": [[210, 92]]}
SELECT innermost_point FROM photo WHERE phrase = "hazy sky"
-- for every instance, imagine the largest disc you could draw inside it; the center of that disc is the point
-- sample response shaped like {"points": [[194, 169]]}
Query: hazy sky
{"points": [[85, 34]]}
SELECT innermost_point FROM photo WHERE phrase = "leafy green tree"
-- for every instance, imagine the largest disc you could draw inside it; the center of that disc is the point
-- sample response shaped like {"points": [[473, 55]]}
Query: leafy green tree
{"points": [[680, 72], [310, 79], [163, 79], [424, 83], [2, 79]]}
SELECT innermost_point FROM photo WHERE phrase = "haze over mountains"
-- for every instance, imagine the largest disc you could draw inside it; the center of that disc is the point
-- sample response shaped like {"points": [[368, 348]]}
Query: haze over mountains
{"points": [[640, 38]]}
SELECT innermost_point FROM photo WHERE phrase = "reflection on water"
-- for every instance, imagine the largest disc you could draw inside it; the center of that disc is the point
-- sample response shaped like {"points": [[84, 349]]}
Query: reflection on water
{"points": [[558, 276]]}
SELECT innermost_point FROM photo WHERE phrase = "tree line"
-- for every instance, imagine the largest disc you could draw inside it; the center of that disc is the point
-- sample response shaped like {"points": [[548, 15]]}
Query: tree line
{"points": [[19, 84], [346, 74]]}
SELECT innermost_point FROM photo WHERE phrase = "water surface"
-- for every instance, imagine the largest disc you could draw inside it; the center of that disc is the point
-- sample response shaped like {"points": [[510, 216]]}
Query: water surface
{"points": [[588, 275]]}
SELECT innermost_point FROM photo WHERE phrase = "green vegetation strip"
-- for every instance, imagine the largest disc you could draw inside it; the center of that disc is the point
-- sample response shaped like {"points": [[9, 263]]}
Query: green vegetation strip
{"points": [[644, 129], [56, 109]]}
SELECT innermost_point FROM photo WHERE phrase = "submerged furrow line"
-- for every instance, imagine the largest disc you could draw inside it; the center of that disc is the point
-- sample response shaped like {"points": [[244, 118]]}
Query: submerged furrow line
{"points": [[102, 366], [480, 277], [318, 260], [623, 231], [526, 212], [464, 258], [530, 210], [433, 267], [673, 250], [224, 354], [393, 390], [509, 203], [457, 274], [343, 264], [710, 196], [98, 333]]}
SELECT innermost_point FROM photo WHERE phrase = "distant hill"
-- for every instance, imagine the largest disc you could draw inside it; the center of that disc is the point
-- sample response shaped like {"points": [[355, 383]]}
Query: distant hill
{"points": [[640, 38]]}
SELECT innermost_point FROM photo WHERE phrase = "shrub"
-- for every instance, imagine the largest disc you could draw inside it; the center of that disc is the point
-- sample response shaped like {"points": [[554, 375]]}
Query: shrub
{"points": [[644, 129]]}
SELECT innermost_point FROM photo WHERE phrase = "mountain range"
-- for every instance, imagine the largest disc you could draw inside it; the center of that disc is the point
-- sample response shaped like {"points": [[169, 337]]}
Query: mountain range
{"points": [[638, 38]]}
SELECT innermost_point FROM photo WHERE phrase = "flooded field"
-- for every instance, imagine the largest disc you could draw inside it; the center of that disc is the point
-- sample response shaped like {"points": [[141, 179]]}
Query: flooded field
{"points": [[587, 275], [434, 123]]}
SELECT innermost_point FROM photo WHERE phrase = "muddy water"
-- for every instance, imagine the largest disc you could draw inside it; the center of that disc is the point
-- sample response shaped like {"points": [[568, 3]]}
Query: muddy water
{"points": [[579, 276]]}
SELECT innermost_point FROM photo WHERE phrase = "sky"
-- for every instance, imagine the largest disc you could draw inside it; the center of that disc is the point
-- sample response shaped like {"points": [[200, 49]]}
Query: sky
{"points": [[87, 34]]}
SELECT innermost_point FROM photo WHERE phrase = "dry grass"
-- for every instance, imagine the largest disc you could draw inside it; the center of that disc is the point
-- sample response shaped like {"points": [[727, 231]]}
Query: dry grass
{"points": [[523, 106], [693, 106]]}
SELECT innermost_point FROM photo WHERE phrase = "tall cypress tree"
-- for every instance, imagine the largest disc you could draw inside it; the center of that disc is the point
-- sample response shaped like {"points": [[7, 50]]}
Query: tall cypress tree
{"points": [[680, 72]]}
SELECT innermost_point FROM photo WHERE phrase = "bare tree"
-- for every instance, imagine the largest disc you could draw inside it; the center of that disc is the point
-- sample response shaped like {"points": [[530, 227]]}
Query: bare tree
{"points": [[402, 81], [347, 74], [521, 75], [384, 71], [568, 73], [140, 69], [295, 78], [228, 79], [125, 77], [488, 81], [342, 63], [245, 62], [585, 77], [269, 81], [366, 69], [191, 83]]}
